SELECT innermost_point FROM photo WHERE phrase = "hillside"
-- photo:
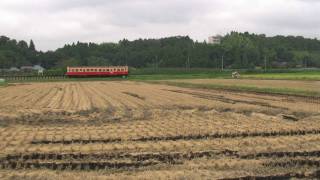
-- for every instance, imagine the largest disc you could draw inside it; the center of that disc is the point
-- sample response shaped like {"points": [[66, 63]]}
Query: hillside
{"points": [[239, 50]]}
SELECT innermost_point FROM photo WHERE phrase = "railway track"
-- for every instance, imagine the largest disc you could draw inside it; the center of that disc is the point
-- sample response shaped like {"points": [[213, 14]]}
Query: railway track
{"points": [[32, 77]]}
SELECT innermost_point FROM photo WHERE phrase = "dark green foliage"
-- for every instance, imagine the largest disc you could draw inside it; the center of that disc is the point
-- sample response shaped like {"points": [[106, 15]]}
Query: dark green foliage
{"points": [[32, 47], [13, 53], [239, 51]]}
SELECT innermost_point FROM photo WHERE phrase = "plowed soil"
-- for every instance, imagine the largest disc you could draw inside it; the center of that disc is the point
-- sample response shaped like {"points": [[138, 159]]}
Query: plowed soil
{"points": [[313, 86], [133, 130]]}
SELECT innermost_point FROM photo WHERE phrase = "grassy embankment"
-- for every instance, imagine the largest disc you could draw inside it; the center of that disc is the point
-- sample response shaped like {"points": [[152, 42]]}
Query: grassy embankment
{"points": [[143, 74], [3, 85], [162, 77], [2, 82], [300, 75]]}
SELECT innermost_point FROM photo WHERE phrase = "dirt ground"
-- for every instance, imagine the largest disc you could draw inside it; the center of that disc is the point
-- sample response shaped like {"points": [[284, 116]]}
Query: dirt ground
{"points": [[282, 84], [134, 130]]}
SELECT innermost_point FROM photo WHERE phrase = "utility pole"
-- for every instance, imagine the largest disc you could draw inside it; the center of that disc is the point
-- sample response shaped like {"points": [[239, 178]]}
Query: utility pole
{"points": [[222, 62], [188, 58], [157, 61], [265, 63], [306, 62], [188, 62]]}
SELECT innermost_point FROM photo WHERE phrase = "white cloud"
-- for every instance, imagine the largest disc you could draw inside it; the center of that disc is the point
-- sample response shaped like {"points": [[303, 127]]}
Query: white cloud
{"points": [[52, 23]]}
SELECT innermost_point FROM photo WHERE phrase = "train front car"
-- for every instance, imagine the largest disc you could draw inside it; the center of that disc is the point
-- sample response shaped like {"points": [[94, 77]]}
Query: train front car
{"points": [[97, 71]]}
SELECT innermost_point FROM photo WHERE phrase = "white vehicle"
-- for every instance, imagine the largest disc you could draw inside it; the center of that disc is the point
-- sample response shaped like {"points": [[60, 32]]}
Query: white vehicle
{"points": [[40, 72], [236, 75]]}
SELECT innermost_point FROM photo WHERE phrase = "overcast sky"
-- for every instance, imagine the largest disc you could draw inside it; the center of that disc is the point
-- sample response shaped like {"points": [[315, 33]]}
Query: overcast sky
{"points": [[53, 23]]}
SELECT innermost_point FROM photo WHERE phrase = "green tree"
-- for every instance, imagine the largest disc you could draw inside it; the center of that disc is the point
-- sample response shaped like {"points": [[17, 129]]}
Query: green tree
{"points": [[32, 47]]}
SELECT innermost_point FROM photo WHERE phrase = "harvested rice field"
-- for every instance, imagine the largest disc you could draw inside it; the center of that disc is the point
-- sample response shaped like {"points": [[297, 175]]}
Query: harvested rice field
{"points": [[135, 130]]}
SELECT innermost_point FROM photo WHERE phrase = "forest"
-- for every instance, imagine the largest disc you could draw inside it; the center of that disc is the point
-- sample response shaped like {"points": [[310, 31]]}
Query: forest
{"points": [[236, 51]]}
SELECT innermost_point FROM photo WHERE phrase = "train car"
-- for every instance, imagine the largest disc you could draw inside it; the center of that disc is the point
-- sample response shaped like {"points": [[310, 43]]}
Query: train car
{"points": [[97, 71]]}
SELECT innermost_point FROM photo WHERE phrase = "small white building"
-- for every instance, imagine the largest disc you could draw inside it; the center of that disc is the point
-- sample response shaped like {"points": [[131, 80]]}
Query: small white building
{"points": [[38, 68], [26, 68], [215, 39]]}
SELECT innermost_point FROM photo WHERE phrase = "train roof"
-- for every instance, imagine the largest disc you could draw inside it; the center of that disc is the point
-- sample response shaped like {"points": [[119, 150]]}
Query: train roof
{"points": [[95, 66]]}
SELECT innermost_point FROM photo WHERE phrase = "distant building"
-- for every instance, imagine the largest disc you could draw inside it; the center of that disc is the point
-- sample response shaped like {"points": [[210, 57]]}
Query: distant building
{"points": [[215, 39], [38, 68], [14, 69], [32, 68], [26, 68], [280, 64]]}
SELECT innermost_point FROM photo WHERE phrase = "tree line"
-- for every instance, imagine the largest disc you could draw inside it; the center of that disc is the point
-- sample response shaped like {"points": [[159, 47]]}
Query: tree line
{"points": [[236, 50]]}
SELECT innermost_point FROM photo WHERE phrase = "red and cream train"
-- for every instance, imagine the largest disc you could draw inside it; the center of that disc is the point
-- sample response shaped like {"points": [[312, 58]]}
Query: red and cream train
{"points": [[97, 71]]}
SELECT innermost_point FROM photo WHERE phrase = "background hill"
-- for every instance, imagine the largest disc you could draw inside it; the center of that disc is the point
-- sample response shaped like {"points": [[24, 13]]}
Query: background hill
{"points": [[240, 50]]}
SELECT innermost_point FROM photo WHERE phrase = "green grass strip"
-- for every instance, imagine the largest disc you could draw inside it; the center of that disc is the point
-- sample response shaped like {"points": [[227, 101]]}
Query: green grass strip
{"points": [[284, 76], [2, 84]]}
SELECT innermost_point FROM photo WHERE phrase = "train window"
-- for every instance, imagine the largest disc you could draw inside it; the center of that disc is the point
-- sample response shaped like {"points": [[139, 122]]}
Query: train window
{"points": [[107, 70], [76, 70]]}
